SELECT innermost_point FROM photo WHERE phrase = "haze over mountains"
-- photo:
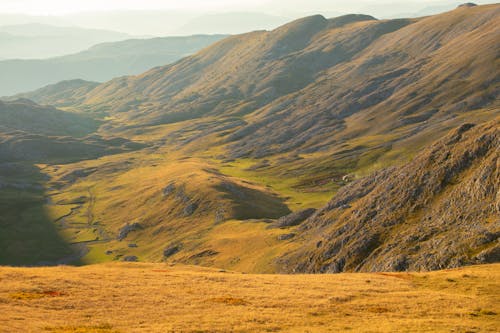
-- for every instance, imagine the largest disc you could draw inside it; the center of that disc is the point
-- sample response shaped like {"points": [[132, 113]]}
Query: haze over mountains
{"points": [[230, 157], [175, 16], [36, 41], [101, 62]]}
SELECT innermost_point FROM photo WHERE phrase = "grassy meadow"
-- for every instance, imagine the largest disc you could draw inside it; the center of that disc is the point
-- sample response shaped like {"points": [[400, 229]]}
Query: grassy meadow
{"points": [[140, 297]]}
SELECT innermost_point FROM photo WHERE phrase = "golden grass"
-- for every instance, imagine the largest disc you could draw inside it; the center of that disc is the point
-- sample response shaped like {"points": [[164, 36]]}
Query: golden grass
{"points": [[160, 298]]}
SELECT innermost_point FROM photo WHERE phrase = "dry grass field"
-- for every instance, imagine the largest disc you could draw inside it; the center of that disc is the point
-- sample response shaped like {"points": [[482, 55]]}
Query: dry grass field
{"points": [[138, 297]]}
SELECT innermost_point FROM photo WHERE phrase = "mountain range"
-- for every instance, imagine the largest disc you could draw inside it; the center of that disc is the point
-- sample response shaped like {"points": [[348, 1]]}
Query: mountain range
{"points": [[325, 145], [100, 62], [37, 41]]}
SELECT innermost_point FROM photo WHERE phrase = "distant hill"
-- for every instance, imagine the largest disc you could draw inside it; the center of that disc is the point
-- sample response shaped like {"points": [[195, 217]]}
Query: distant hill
{"points": [[61, 94], [99, 63], [231, 23], [30, 132], [37, 41]]}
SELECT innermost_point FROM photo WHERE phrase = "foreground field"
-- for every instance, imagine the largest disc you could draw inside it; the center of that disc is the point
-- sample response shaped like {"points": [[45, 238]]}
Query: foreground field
{"points": [[160, 298]]}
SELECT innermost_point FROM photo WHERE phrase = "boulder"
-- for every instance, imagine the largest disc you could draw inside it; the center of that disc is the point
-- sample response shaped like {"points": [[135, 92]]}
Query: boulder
{"points": [[190, 209], [168, 190], [131, 259], [171, 250]]}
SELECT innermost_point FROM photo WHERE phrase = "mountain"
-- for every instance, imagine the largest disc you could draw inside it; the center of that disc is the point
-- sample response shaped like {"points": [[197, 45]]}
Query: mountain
{"points": [[30, 132], [61, 94], [99, 63], [441, 210], [245, 140], [36, 41], [231, 23]]}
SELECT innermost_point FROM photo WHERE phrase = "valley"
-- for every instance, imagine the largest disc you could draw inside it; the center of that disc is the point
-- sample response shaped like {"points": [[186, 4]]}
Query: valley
{"points": [[230, 157]]}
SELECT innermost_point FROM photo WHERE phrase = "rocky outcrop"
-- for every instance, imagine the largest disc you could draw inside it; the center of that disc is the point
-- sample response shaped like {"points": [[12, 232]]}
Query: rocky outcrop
{"points": [[128, 228], [293, 219], [286, 236], [190, 209], [439, 211], [171, 250], [169, 189]]}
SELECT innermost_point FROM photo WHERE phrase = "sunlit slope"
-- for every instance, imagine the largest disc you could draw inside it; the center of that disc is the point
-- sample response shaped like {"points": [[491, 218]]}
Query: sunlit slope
{"points": [[159, 298]]}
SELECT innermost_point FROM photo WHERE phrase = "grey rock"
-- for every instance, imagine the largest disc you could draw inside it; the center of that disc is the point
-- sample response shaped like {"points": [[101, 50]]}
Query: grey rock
{"points": [[220, 215], [169, 190], [286, 236], [131, 259], [293, 219], [171, 250], [190, 209], [128, 228]]}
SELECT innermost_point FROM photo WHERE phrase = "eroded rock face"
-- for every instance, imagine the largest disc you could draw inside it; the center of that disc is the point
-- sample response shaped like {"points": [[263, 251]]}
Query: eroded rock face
{"points": [[438, 211]]}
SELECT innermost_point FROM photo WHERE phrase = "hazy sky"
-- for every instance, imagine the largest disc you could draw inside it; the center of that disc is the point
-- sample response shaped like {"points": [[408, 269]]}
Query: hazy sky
{"points": [[60, 7]]}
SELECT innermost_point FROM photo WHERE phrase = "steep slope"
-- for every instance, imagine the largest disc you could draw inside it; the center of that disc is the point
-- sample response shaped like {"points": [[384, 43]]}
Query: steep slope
{"points": [[101, 62], [441, 210]]}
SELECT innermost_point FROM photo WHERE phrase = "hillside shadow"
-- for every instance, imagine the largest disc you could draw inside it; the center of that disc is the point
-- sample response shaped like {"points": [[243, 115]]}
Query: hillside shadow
{"points": [[249, 203], [28, 236]]}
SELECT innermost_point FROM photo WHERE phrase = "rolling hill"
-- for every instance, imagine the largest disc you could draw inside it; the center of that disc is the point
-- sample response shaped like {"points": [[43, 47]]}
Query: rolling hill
{"points": [[100, 62], [246, 139]]}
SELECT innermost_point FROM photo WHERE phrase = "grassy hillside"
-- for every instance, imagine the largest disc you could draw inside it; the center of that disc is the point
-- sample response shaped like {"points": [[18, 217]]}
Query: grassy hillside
{"points": [[100, 62], [160, 298]]}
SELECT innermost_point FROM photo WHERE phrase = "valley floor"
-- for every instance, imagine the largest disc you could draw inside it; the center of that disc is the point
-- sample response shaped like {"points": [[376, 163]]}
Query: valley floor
{"points": [[138, 297]]}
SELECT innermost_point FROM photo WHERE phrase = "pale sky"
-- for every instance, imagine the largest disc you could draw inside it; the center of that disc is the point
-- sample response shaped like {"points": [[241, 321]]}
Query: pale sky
{"points": [[61, 7]]}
